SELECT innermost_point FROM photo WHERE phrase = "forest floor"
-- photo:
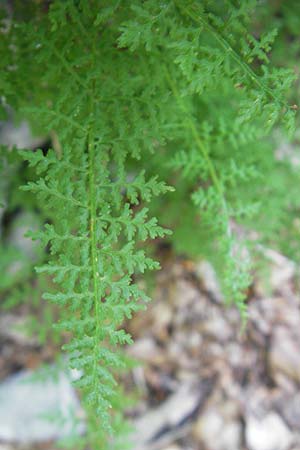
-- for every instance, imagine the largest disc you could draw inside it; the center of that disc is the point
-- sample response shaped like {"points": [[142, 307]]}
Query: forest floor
{"points": [[203, 384]]}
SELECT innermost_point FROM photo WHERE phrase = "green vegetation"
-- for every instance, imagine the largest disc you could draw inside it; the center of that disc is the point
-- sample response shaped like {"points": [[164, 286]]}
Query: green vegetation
{"points": [[162, 111]]}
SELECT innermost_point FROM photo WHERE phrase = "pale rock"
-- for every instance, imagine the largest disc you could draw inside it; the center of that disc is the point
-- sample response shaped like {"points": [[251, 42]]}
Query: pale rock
{"points": [[162, 317], [22, 223], [283, 310], [288, 152], [170, 447], [18, 136], [28, 398], [258, 319], [267, 433], [284, 356], [162, 314], [282, 269], [218, 433], [184, 298], [257, 400], [207, 274], [162, 425], [291, 411], [194, 341], [145, 349], [217, 327], [16, 328], [282, 274]]}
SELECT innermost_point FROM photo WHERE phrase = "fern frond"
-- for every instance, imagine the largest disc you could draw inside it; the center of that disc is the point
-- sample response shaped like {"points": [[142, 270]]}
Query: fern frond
{"points": [[141, 97]]}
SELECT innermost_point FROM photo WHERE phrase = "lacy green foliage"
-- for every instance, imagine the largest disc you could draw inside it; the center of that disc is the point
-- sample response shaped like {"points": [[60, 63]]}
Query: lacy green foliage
{"points": [[139, 92], [18, 256], [206, 69], [98, 215]]}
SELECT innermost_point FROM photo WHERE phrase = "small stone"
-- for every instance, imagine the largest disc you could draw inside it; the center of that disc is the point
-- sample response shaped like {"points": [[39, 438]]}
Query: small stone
{"points": [[162, 317], [217, 327], [267, 433], [217, 433], [170, 447], [282, 310], [284, 356], [207, 275], [282, 270], [291, 411], [18, 136], [23, 222], [145, 349], [26, 399], [16, 328], [159, 423]]}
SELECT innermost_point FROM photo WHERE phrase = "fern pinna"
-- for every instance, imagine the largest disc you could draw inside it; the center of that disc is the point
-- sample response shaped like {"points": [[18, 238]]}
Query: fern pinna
{"points": [[131, 90]]}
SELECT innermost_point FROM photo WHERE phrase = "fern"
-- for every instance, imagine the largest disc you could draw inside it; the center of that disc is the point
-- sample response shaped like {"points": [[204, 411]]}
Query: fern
{"points": [[140, 96], [96, 257], [94, 240]]}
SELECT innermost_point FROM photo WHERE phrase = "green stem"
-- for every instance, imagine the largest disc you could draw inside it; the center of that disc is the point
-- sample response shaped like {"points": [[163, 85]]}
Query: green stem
{"points": [[93, 240], [198, 18], [211, 168]]}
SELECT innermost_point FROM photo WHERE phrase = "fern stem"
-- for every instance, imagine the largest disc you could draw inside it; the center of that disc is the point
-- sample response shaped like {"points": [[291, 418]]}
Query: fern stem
{"points": [[93, 243], [212, 170], [198, 18]]}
